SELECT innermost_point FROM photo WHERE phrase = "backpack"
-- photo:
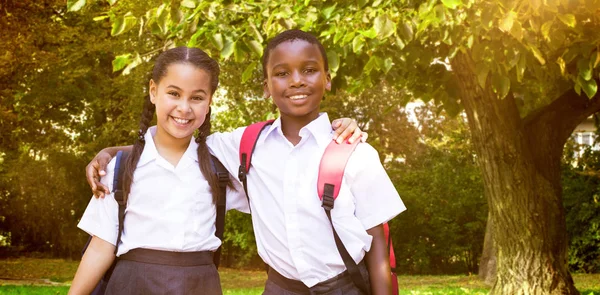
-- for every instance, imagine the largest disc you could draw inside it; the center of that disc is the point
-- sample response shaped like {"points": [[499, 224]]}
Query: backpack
{"points": [[331, 172], [218, 169]]}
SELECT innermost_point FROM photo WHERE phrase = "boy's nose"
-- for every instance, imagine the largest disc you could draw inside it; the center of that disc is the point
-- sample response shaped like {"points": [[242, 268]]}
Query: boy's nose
{"points": [[296, 80]]}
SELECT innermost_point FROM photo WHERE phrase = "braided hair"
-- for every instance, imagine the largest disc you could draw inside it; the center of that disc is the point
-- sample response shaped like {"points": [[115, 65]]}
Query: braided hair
{"points": [[200, 60]]}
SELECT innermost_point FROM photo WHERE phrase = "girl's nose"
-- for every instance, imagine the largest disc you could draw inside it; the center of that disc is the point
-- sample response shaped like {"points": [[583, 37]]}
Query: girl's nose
{"points": [[184, 105]]}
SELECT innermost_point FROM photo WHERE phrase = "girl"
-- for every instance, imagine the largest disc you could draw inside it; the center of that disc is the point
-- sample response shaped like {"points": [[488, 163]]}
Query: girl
{"points": [[169, 230]]}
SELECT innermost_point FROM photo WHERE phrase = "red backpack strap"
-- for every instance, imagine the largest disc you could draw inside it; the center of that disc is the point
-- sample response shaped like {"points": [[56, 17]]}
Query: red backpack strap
{"points": [[331, 172], [331, 169], [247, 145], [388, 238]]}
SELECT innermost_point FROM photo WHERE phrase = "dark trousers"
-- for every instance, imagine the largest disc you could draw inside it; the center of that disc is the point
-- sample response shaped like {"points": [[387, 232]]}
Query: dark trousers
{"points": [[162, 272], [340, 285]]}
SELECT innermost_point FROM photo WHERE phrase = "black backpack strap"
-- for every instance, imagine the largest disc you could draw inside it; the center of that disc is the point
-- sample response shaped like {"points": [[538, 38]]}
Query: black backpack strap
{"points": [[119, 194], [351, 266], [223, 177]]}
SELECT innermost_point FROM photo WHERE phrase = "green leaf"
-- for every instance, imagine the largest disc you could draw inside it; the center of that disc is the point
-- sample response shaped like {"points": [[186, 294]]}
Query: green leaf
{"points": [[121, 61], [247, 74], [561, 63], [546, 29], [373, 63], [517, 31], [75, 5], [589, 87], [568, 19], [521, 66], [334, 60], [122, 24], [387, 65], [384, 26], [371, 33], [101, 17], [357, 44], [584, 69], [452, 4], [328, 11], [482, 71], [227, 49], [595, 59], [256, 47], [218, 41], [407, 31], [538, 54], [506, 23], [111, 2], [188, 3], [500, 85], [136, 62]]}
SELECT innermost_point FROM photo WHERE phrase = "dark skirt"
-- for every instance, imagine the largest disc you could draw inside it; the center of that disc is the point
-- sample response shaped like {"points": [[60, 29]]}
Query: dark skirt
{"points": [[136, 277]]}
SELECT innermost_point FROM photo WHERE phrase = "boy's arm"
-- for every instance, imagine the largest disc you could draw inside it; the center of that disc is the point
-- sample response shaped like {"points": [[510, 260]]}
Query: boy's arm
{"points": [[97, 168], [96, 260], [378, 263]]}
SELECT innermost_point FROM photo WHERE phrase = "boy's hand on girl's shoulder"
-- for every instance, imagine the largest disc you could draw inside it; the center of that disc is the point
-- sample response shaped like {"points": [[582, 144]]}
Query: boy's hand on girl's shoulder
{"points": [[347, 129], [95, 170]]}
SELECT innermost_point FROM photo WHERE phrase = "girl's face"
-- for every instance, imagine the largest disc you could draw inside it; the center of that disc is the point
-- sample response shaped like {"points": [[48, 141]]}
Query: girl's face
{"points": [[182, 99]]}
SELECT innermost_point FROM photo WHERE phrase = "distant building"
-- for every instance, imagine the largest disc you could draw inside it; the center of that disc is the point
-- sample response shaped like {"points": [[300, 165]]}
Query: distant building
{"points": [[585, 135]]}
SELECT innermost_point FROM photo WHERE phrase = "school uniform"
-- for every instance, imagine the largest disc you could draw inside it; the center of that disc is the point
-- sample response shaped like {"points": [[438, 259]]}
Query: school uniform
{"points": [[293, 235], [169, 227]]}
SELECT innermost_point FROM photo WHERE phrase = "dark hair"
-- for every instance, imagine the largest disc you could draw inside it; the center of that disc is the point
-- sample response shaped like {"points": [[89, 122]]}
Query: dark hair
{"points": [[291, 35], [179, 55]]}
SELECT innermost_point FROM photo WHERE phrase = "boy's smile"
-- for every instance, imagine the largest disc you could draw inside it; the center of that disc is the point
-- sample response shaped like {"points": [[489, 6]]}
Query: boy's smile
{"points": [[296, 79]]}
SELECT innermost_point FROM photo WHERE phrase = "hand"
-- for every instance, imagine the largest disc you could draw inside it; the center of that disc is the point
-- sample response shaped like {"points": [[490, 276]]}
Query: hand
{"points": [[95, 170], [345, 127]]}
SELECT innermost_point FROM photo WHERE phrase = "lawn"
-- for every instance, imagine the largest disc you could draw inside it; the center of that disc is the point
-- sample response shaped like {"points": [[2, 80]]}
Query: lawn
{"points": [[52, 276]]}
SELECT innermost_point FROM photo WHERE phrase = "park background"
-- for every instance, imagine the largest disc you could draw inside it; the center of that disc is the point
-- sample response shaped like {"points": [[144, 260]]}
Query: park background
{"points": [[488, 160]]}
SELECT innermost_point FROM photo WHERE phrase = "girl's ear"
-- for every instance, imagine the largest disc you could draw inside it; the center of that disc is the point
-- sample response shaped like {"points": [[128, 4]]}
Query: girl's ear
{"points": [[266, 92], [153, 88], [328, 83]]}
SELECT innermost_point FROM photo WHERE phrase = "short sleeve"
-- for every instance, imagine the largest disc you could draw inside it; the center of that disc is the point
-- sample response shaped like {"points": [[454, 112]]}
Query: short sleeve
{"points": [[226, 146], [236, 197], [100, 218], [376, 198]]}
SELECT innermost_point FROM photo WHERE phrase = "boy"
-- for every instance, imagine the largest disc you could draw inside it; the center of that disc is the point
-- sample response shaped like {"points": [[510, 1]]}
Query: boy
{"points": [[293, 234]]}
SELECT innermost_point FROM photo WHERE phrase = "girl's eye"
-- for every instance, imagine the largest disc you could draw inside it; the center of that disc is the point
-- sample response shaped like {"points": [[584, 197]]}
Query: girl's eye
{"points": [[199, 98], [173, 93]]}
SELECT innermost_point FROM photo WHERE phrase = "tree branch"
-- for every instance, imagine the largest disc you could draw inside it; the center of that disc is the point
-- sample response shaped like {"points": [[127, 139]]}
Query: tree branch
{"points": [[564, 113]]}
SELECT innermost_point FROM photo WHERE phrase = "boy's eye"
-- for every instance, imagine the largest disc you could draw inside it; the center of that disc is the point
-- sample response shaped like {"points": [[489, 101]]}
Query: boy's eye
{"points": [[310, 70], [280, 74]]}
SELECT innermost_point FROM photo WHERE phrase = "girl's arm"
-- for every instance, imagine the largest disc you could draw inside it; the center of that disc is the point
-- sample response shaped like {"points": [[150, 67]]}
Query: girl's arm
{"points": [[96, 260], [97, 168], [378, 263]]}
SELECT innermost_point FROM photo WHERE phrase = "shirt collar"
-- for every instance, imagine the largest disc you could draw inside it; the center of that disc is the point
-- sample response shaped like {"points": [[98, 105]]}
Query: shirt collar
{"points": [[319, 128], [150, 152]]}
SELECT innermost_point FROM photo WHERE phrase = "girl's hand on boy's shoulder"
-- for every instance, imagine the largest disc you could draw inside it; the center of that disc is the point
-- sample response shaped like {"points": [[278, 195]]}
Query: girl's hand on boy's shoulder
{"points": [[347, 129], [95, 170]]}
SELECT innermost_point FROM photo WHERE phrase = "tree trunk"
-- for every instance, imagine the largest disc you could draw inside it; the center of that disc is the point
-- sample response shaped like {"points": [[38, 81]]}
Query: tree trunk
{"points": [[521, 174], [487, 264]]}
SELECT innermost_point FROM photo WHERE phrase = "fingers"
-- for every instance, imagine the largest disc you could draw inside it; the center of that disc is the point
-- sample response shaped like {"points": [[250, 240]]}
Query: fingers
{"points": [[93, 172], [101, 190], [364, 136], [344, 129], [356, 135], [91, 175]]}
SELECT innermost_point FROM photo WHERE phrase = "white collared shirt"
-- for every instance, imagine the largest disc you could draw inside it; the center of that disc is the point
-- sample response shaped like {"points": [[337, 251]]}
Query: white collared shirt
{"points": [[293, 234], [169, 208]]}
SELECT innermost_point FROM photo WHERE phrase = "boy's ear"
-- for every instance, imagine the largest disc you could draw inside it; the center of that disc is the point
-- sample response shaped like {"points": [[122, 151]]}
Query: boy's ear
{"points": [[266, 92], [152, 90], [328, 84]]}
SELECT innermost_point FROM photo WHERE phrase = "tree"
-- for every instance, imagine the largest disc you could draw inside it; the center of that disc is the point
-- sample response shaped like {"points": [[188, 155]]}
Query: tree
{"points": [[525, 73]]}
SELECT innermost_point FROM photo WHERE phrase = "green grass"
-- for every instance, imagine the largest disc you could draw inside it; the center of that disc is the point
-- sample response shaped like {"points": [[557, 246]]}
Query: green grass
{"points": [[52, 276]]}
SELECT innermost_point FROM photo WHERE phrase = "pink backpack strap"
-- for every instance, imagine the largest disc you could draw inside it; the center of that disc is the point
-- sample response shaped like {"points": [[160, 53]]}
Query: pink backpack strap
{"points": [[247, 145], [331, 169], [331, 172]]}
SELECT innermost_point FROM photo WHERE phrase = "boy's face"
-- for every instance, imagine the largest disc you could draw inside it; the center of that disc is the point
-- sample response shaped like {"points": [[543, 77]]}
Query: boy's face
{"points": [[296, 78]]}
